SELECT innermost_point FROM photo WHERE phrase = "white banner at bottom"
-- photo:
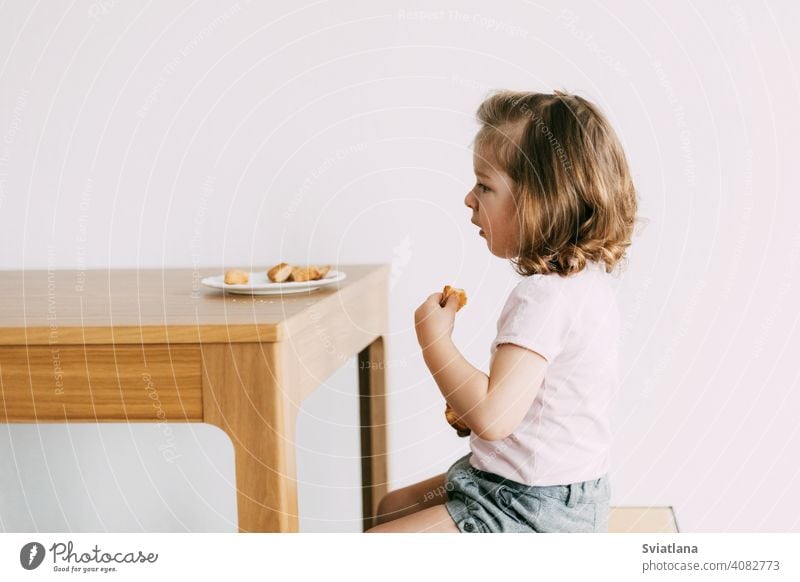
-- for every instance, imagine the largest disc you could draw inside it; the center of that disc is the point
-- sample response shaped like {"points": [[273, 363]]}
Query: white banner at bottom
{"points": [[160, 556]]}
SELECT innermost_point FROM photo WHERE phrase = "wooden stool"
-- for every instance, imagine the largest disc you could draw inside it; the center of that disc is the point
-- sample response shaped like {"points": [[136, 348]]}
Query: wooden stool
{"points": [[642, 519]]}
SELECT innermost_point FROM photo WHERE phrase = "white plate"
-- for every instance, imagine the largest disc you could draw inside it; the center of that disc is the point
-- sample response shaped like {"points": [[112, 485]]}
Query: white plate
{"points": [[259, 284]]}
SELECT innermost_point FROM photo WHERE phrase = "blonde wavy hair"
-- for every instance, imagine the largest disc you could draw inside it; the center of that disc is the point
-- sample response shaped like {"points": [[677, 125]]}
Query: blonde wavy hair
{"points": [[573, 190]]}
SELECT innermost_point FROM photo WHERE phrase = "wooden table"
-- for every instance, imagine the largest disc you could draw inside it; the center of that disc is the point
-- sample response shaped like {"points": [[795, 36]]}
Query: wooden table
{"points": [[153, 345]]}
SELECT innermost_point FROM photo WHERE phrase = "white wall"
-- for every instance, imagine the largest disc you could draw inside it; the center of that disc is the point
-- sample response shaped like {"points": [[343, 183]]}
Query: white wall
{"points": [[183, 134]]}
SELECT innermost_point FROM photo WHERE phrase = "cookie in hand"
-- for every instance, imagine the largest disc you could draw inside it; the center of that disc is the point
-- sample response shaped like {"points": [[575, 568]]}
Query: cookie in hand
{"points": [[461, 429], [448, 291]]}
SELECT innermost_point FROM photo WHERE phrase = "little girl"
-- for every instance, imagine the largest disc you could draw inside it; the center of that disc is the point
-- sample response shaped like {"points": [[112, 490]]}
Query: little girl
{"points": [[555, 196]]}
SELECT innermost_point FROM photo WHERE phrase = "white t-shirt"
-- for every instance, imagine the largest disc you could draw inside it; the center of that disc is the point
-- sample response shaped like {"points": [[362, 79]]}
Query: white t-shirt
{"points": [[574, 323]]}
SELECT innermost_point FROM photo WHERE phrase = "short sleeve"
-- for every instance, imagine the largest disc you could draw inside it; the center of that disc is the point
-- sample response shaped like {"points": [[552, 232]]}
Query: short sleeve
{"points": [[535, 317]]}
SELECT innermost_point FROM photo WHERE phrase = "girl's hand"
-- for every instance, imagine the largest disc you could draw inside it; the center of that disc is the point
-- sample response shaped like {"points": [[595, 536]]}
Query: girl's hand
{"points": [[434, 322]]}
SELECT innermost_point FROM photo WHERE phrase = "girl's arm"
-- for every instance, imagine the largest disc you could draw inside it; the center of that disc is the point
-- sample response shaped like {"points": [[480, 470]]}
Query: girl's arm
{"points": [[492, 406], [463, 386]]}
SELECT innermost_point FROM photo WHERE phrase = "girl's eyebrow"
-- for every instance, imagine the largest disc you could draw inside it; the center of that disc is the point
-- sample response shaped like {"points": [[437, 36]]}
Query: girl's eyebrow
{"points": [[479, 173]]}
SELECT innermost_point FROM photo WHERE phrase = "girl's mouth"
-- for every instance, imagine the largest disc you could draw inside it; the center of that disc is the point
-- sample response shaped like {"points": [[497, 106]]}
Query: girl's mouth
{"points": [[482, 233]]}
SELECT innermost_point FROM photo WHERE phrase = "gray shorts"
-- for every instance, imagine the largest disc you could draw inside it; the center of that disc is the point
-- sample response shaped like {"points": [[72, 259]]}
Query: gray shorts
{"points": [[479, 501]]}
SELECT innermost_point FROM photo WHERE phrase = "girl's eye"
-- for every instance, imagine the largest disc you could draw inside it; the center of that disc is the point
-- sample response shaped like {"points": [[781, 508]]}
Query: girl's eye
{"points": [[481, 187]]}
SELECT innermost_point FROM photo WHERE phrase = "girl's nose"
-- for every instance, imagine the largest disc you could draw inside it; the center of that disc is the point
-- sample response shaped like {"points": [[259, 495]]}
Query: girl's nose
{"points": [[470, 200]]}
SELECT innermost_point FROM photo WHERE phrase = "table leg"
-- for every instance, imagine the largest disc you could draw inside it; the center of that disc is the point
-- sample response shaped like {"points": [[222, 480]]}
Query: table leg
{"points": [[244, 395], [372, 398]]}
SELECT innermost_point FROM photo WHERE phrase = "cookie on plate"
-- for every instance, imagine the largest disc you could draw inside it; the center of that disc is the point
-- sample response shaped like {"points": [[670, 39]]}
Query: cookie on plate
{"points": [[280, 273], [236, 277]]}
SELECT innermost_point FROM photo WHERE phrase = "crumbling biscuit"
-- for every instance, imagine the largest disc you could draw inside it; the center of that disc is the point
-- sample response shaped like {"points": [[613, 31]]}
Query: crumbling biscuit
{"points": [[285, 273], [308, 273], [448, 291], [301, 274], [236, 277], [280, 272]]}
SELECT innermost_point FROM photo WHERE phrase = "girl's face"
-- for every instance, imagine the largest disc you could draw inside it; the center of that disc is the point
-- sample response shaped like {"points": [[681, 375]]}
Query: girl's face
{"points": [[494, 209]]}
